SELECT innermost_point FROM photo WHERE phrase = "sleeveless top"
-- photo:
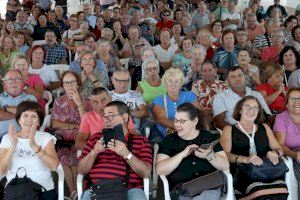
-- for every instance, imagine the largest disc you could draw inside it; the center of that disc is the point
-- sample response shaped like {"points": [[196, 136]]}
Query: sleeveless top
{"points": [[240, 142], [150, 92]]}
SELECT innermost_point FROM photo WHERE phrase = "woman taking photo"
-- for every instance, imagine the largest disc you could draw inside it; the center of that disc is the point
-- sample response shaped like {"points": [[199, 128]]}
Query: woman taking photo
{"points": [[249, 142], [181, 158], [30, 149], [163, 114], [151, 87], [286, 129], [65, 119]]}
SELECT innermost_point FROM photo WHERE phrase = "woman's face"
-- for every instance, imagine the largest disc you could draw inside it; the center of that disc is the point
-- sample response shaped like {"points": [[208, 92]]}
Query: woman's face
{"points": [[70, 83], [81, 16], [276, 79], [84, 26], [100, 22], [185, 21], [187, 45], [183, 124], [52, 17], [289, 58], [243, 58], [20, 40], [275, 13], [29, 119], [173, 84], [42, 20], [152, 69], [254, 7], [7, 43], [204, 38], [10, 27], [293, 104], [241, 37], [217, 27], [88, 63], [297, 34], [178, 15], [117, 26], [97, 9], [104, 48], [249, 110], [36, 12], [290, 25], [38, 55], [22, 65], [228, 40], [176, 29], [277, 38], [147, 54], [165, 36], [133, 34]]}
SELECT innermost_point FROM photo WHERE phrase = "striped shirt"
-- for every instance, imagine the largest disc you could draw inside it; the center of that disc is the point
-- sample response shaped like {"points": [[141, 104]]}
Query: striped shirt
{"points": [[109, 165]]}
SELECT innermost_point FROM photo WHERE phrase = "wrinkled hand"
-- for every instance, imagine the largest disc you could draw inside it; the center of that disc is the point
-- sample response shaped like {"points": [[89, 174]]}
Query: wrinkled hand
{"points": [[99, 147], [74, 95], [118, 147], [189, 149], [83, 75], [273, 157], [13, 136], [203, 153], [255, 160]]}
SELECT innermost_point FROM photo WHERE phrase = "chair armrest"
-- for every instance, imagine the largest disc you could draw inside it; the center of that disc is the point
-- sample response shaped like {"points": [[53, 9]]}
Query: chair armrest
{"points": [[230, 190], [166, 187], [146, 187], [79, 185], [290, 179], [61, 177]]}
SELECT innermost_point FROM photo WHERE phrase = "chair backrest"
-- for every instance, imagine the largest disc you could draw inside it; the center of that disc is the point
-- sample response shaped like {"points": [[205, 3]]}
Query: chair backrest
{"points": [[46, 123], [47, 96], [38, 42], [124, 62]]}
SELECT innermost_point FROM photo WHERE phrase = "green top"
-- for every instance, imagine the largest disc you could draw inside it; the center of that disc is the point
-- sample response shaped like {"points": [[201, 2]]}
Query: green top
{"points": [[150, 92], [6, 62]]}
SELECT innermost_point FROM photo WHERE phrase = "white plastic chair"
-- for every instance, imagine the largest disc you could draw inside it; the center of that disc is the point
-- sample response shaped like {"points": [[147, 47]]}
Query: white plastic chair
{"points": [[229, 195], [154, 172], [60, 68], [124, 62], [46, 123], [38, 42], [48, 96], [61, 177], [290, 179]]}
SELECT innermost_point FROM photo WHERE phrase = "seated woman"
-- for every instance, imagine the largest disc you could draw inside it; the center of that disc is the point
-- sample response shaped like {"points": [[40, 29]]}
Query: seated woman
{"points": [[164, 106], [248, 142], [91, 77], [151, 87], [30, 149], [34, 83], [274, 90], [65, 119], [287, 127], [181, 158], [289, 58]]}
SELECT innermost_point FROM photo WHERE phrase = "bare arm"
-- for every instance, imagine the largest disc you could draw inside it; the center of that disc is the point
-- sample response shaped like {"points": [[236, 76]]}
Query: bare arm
{"points": [[5, 115], [57, 124], [86, 163], [280, 136], [37, 91], [220, 120], [54, 85], [81, 139], [271, 97], [274, 145], [142, 168], [159, 116], [5, 158], [141, 112]]}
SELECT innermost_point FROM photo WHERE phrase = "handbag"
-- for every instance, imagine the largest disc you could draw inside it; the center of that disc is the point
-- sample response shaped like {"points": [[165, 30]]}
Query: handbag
{"points": [[113, 189], [196, 186], [23, 188], [264, 172]]}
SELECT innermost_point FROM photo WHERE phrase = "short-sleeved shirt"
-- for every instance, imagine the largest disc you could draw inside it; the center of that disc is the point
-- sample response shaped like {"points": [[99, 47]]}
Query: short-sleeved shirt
{"points": [[165, 55], [54, 54], [33, 81], [7, 99], [284, 123], [132, 99], [150, 92], [109, 165], [190, 167], [184, 97], [294, 79], [225, 59], [235, 15], [279, 103], [269, 53], [226, 100], [168, 24], [46, 73], [258, 30], [199, 20]]}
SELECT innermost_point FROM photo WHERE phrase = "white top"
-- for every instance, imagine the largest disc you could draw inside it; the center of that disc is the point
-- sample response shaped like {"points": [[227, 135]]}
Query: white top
{"points": [[226, 100], [25, 157], [46, 73], [235, 15], [165, 55], [70, 33], [132, 98]]}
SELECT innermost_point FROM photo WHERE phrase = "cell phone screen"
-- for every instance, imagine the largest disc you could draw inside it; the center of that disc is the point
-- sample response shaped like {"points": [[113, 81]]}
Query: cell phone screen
{"points": [[108, 134]]}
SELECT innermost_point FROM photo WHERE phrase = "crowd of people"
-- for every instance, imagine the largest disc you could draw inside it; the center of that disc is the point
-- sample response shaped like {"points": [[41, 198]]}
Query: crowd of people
{"points": [[196, 72]]}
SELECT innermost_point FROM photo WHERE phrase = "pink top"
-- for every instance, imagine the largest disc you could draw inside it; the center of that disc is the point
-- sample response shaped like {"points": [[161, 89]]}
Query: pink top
{"points": [[269, 53], [33, 81], [93, 123], [285, 124]]}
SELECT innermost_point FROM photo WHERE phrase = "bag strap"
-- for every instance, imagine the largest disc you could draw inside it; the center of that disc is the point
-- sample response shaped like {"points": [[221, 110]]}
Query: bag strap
{"points": [[129, 147], [18, 171], [252, 149], [267, 37], [166, 105]]}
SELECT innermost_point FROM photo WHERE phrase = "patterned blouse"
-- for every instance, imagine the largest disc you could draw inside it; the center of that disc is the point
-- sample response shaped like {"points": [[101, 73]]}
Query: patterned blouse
{"points": [[88, 85], [205, 94]]}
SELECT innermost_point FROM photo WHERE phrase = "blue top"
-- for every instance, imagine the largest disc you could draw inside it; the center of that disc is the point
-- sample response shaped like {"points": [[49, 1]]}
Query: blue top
{"points": [[184, 97]]}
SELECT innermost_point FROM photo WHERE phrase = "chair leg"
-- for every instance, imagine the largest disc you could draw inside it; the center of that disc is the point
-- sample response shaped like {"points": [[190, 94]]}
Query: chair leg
{"points": [[155, 175]]}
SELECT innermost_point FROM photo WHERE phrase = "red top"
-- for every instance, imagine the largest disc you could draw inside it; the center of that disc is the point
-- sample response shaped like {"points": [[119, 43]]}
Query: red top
{"points": [[279, 103], [109, 165], [168, 24]]}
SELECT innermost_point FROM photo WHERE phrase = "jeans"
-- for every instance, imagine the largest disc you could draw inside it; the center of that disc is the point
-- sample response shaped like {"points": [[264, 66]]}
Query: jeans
{"points": [[133, 194]]}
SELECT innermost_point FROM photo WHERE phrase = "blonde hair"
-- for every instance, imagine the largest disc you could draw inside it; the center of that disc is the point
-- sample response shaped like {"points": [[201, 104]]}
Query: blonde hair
{"points": [[19, 57], [173, 72], [272, 69], [13, 41], [84, 53]]}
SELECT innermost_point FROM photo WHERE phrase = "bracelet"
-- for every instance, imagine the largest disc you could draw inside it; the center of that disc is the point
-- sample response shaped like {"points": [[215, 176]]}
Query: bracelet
{"points": [[39, 149], [236, 159]]}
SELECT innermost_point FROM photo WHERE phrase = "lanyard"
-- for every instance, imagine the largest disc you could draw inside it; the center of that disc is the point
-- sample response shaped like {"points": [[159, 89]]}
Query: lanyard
{"points": [[252, 149]]}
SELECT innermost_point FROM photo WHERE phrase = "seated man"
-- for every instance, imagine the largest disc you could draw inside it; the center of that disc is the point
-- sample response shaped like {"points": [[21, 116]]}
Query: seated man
{"points": [[12, 96], [55, 53], [224, 102], [133, 99], [110, 162]]}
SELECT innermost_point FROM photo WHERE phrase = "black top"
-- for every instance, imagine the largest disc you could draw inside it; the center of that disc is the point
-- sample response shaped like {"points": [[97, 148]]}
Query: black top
{"points": [[240, 142], [190, 167]]}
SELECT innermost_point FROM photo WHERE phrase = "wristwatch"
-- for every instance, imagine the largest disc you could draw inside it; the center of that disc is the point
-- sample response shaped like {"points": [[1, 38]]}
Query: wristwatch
{"points": [[129, 156]]}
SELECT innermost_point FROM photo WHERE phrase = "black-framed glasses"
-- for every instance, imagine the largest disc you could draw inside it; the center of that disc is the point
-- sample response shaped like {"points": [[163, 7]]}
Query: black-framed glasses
{"points": [[121, 81], [139, 46], [180, 121], [110, 117], [70, 83]]}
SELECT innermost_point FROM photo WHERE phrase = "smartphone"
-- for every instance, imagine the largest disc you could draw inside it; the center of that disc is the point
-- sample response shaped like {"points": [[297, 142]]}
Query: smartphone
{"points": [[119, 134], [206, 146], [108, 134]]}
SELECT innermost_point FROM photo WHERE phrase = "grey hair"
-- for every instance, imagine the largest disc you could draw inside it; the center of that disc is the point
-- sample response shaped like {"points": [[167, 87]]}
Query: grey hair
{"points": [[103, 40], [146, 48], [109, 29], [199, 46], [146, 62]]}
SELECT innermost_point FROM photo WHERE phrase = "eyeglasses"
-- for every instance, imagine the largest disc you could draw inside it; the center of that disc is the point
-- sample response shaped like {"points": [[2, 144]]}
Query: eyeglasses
{"points": [[151, 69], [121, 81], [70, 83], [175, 83], [249, 107], [86, 59], [166, 15], [294, 100], [110, 117], [12, 80], [139, 46], [180, 121], [277, 37]]}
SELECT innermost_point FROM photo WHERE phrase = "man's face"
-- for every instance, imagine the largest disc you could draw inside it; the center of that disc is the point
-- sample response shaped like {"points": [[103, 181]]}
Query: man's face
{"points": [[112, 117], [120, 81], [13, 83], [90, 42], [81, 48], [133, 34], [22, 17], [99, 102], [86, 9], [50, 38], [236, 79]]}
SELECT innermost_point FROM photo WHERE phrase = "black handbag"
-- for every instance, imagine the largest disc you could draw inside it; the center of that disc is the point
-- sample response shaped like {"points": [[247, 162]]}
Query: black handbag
{"points": [[264, 172], [113, 189], [23, 189]]}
